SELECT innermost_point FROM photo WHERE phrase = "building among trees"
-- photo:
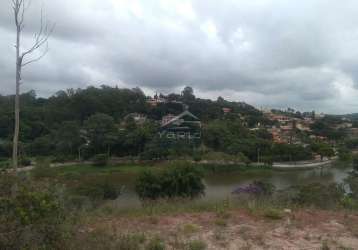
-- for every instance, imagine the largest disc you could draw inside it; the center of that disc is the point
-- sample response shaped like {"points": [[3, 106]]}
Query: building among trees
{"points": [[157, 99], [185, 126]]}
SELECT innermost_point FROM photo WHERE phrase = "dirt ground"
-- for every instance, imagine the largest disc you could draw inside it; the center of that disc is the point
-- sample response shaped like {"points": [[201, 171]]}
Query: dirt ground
{"points": [[302, 229]]}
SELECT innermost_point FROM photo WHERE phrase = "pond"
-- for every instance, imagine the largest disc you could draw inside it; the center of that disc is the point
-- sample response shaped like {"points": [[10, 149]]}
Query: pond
{"points": [[220, 185]]}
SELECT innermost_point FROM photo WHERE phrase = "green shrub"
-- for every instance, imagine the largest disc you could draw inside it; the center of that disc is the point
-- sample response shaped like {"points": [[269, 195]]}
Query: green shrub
{"points": [[4, 164], [183, 181], [319, 195], [71, 175], [189, 229], [43, 169], [197, 156], [267, 188], [196, 245], [98, 189], [155, 150], [349, 202], [130, 242], [287, 197], [344, 154], [355, 162], [25, 162], [156, 244], [219, 156], [78, 203], [149, 186], [61, 158], [352, 181], [109, 240], [325, 245], [273, 214], [100, 160], [220, 222], [33, 217]]}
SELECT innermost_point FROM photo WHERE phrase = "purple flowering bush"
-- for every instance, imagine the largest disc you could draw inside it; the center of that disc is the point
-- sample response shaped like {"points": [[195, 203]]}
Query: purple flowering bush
{"points": [[257, 188]]}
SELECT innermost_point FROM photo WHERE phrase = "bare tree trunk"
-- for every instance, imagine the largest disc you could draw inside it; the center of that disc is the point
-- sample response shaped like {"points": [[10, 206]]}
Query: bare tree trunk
{"points": [[17, 101], [19, 8]]}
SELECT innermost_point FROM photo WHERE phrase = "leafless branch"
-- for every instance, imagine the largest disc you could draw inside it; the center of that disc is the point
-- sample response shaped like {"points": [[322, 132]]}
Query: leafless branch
{"points": [[40, 39], [37, 58], [23, 10]]}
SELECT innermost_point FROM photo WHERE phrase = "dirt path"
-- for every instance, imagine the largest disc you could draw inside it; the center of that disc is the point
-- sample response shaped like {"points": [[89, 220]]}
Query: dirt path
{"points": [[280, 166], [52, 165], [303, 165]]}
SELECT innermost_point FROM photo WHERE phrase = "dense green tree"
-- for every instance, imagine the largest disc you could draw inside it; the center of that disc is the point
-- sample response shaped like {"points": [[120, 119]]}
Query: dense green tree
{"points": [[290, 152], [230, 136], [325, 127], [178, 181], [6, 125], [101, 132], [216, 135], [41, 146], [351, 143], [323, 149], [344, 154], [68, 138], [188, 94], [5, 148], [355, 124], [155, 150], [156, 113]]}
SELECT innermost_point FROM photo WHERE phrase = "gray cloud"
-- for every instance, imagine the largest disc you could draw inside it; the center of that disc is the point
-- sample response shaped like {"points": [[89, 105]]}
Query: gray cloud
{"points": [[269, 53]]}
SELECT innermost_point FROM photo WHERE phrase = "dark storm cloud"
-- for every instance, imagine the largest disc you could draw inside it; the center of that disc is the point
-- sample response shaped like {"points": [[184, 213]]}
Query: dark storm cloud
{"points": [[277, 53]]}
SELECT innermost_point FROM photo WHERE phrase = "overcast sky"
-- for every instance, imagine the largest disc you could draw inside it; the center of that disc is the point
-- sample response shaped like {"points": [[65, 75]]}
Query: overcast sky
{"points": [[269, 53]]}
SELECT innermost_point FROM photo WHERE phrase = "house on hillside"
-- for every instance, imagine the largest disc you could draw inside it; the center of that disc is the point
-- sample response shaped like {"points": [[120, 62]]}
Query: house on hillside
{"points": [[184, 126], [167, 118], [352, 133], [276, 135], [157, 99], [280, 118], [319, 116], [303, 126], [344, 125], [226, 110]]}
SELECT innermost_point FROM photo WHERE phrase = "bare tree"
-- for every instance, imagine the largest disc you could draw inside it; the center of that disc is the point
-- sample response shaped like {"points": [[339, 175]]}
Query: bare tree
{"points": [[40, 40]]}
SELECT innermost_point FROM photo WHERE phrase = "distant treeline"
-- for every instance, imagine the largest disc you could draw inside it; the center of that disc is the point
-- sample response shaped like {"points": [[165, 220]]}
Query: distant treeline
{"points": [[54, 125], [91, 121]]}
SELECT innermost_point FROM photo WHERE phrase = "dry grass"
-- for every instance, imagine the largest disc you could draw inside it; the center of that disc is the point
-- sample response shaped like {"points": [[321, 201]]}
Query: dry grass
{"points": [[239, 229]]}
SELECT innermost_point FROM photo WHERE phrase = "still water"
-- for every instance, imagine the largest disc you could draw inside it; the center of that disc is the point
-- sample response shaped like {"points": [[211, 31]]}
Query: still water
{"points": [[220, 185]]}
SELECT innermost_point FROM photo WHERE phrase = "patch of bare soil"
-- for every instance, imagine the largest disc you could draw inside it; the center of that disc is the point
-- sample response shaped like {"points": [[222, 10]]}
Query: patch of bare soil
{"points": [[302, 229]]}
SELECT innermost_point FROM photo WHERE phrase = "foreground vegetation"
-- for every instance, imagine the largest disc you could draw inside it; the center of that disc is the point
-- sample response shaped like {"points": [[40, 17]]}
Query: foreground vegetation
{"points": [[39, 210]]}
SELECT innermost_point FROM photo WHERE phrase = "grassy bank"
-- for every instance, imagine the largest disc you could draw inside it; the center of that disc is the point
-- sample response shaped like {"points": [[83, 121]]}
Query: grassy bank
{"points": [[138, 168], [259, 208], [91, 169]]}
